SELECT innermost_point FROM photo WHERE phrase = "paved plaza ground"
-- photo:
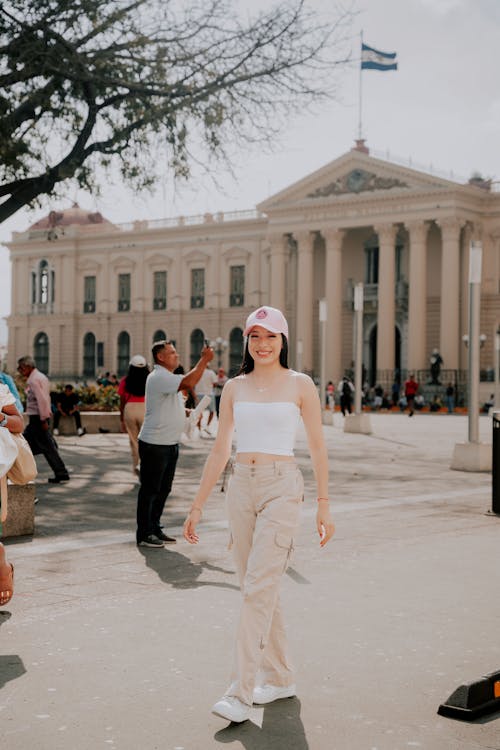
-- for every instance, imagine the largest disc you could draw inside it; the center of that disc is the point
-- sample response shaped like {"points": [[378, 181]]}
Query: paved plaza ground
{"points": [[105, 645]]}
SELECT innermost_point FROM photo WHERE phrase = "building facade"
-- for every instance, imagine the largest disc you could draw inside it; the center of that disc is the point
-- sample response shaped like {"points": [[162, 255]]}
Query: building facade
{"points": [[87, 294]]}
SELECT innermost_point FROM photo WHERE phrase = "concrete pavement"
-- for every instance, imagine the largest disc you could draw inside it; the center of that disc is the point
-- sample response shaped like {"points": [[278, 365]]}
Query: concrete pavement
{"points": [[108, 645]]}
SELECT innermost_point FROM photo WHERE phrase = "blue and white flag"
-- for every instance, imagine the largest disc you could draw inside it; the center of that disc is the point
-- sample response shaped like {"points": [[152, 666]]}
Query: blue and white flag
{"points": [[373, 59]]}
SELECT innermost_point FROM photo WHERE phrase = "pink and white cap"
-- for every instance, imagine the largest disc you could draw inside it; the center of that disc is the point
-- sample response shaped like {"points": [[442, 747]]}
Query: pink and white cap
{"points": [[268, 317]]}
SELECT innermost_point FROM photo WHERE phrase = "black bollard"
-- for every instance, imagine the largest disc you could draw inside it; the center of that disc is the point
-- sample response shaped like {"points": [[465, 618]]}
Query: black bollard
{"points": [[495, 464]]}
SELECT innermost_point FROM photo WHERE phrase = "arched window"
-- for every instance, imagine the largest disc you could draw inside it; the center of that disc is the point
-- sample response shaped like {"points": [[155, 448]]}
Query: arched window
{"points": [[196, 345], [159, 335], [123, 353], [235, 351], [43, 282], [43, 275], [89, 351], [41, 352]]}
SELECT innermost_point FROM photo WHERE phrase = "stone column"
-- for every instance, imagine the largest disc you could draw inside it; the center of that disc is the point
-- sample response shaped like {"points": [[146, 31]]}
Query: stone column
{"points": [[279, 249], [304, 307], [417, 307], [386, 318], [334, 298], [450, 287]]}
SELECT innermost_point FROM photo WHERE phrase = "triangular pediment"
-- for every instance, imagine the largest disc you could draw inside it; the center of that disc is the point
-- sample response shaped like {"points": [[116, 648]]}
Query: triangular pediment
{"points": [[355, 174]]}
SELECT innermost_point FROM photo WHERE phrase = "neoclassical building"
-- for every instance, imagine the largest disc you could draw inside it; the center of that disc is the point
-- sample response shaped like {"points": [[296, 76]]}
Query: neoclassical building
{"points": [[88, 294]]}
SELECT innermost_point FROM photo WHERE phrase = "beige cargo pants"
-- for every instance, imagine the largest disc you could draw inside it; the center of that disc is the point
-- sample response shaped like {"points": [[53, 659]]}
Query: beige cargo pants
{"points": [[263, 506]]}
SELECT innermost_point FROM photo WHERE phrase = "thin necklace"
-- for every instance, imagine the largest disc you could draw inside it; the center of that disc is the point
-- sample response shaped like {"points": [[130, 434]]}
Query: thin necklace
{"points": [[267, 387]]}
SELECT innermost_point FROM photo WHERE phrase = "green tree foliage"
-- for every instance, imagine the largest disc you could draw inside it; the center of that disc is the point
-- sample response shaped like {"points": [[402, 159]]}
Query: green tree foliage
{"points": [[87, 85]]}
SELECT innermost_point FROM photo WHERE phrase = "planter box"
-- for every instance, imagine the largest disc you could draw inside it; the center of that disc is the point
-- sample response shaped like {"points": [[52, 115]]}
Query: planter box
{"points": [[21, 514], [92, 421]]}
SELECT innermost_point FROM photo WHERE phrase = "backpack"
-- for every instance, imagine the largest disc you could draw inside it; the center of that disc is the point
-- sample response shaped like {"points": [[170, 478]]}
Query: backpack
{"points": [[346, 388]]}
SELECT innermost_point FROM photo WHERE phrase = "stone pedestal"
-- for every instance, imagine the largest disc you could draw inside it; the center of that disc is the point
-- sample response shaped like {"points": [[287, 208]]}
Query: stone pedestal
{"points": [[358, 423], [21, 510], [108, 421], [327, 416], [471, 457]]}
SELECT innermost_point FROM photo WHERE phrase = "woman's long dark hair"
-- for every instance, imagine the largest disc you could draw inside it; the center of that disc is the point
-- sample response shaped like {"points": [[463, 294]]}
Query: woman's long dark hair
{"points": [[135, 382], [248, 364]]}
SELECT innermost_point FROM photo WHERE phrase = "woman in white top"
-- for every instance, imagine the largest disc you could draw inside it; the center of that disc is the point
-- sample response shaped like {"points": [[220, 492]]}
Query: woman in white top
{"points": [[264, 404], [10, 420]]}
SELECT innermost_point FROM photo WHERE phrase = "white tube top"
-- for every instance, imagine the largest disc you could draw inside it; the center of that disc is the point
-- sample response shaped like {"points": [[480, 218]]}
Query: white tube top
{"points": [[266, 427]]}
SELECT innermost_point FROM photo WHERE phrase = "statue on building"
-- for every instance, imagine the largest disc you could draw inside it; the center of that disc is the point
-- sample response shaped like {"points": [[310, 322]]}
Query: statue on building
{"points": [[435, 368]]}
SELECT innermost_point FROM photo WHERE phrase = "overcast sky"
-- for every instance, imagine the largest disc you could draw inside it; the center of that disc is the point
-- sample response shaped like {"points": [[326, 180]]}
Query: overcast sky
{"points": [[441, 109]]}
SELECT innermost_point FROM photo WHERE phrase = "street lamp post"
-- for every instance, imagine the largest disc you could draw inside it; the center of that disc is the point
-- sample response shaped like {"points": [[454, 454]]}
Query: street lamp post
{"points": [[219, 345], [497, 369], [473, 455], [359, 421]]}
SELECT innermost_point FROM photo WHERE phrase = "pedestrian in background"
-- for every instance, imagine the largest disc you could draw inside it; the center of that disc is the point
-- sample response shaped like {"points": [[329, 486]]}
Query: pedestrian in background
{"points": [[39, 411], [218, 386], [132, 389], [411, 390], [346, 390], [264, 403], [164, 422], [205, 387], [450, 398], [8, 380], [67, 405]]}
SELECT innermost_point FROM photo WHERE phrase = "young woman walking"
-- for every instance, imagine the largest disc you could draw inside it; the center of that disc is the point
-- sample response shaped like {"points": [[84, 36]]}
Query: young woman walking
{"points": [[264, 404], [131, 390]]}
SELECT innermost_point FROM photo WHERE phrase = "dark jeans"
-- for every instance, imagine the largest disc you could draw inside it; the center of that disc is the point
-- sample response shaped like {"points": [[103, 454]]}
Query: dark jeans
{"points": [[76, 415], [41, 441], [158, 464], [345, 404]]}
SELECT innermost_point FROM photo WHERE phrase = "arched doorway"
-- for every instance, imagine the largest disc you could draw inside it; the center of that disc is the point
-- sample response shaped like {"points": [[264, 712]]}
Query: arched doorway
{"points": [[195, 346], [89, 352], [123, 358], [235, 351], [41, 352], [372, 367], [159, 335]]}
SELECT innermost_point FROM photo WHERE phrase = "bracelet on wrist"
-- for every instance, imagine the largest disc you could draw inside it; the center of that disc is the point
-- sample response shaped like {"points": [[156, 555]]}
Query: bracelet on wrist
{"points": [[195, 508], [326, 499]]}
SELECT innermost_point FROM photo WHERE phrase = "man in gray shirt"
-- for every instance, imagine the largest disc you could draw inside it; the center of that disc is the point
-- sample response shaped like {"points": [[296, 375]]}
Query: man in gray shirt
{"points": [[159, 438]]}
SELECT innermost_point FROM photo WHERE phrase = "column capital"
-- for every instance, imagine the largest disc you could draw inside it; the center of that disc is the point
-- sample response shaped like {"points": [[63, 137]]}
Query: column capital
{"points": [[451, 226], [333, 237], [277, 240], [387, 233], [417, 229], [305, 240]]}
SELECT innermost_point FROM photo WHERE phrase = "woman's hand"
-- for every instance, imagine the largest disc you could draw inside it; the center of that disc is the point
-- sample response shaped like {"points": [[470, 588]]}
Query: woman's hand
{"points": [[190, 523], [324, 522]]}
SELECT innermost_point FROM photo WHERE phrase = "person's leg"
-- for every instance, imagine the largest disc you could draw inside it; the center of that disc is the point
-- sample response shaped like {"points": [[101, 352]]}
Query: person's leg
{"points": [[151, 459], [169, 463], [272, 541], [78, 419], [6, 578], [47, 447], [133, 415], [56, 420]]}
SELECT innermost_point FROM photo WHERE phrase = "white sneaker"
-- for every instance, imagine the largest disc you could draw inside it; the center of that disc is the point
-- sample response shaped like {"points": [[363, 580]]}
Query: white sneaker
{"points": [[81, 431], [269, 693], [55, 432], [232, 709]]}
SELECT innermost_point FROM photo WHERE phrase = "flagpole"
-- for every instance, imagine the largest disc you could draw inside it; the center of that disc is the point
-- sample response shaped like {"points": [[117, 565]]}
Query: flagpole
{"points": [[360, 129]]}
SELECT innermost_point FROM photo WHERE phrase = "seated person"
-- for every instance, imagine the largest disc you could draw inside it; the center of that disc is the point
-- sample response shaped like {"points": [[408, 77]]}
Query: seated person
{"points": [[67, 405], [435, 404], [419, 402]]}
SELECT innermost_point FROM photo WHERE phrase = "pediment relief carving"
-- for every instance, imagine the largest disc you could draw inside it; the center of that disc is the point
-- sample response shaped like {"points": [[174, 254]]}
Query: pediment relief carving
{"points": [[89, 265], [235, 253], [193, 256], [357, 181], [158, 260], [122, 262]]}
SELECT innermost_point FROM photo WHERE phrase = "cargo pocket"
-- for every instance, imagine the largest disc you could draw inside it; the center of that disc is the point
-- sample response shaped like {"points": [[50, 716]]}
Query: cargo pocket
{"points": [[230, 541], [284, 542]]}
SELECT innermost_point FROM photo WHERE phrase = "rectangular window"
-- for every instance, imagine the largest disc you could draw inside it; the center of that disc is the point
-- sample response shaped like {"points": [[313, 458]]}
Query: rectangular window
{"points": [[89, 287], [197, 288], [160, 290], [237, 286], [33, 288], [123, 292]]}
